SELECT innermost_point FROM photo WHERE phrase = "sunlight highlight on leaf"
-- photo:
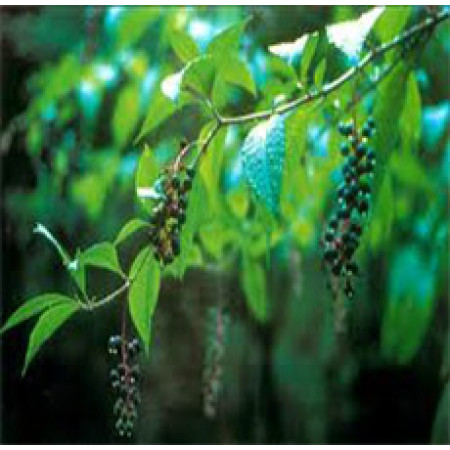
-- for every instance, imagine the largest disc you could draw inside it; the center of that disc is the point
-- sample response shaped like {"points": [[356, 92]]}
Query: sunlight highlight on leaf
{"points": [[289, 50], [349, 36], [171, 85]]}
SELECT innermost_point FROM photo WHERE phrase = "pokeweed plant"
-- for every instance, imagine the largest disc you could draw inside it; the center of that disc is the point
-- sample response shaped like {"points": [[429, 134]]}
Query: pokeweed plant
{"points": [[181, 196]]}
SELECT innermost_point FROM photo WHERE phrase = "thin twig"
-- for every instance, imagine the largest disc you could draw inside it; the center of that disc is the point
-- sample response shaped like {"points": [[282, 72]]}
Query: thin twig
{"points": [[108, 298], [182, 154], [118, 292], [217, 125], [427, 24]]}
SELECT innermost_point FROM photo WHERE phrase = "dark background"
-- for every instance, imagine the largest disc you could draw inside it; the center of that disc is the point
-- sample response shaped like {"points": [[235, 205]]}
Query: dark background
{"points": [[290, 381]]}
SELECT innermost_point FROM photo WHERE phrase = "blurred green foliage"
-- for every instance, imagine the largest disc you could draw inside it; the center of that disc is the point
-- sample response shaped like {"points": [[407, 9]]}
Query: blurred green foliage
{"points": [[112, 93]]}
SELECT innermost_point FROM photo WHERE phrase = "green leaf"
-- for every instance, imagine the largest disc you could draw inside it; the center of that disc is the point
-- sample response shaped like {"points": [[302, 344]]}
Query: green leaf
{"points": [[41, 229], [126, 114], [102, 255], [253, 281], [227, 41], [134, 22], [77, 271], [238, 200], [183, 45], [262, 154], [409, 171], [383, 216], [146, 175], [143, 294], [89, 191], [46, 326], [32, 307], [293, 184], [200, 74], [129, 228], [160, 109], [410, 304], [211, 165], [392, 22], [215, 236], [410, 119], [319, 74], [35, 138], [238, 73], [307, 56], [221, 93], [224, 49], [388, 108]]}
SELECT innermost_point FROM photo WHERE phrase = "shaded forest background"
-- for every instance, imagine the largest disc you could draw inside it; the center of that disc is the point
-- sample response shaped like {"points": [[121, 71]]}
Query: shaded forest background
{"points": [[289, 380]]}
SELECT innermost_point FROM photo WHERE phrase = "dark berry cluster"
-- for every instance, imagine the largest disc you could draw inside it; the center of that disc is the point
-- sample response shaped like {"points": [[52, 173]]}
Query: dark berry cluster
{"points": [[342, 235], [124, 380], [169, 214]]}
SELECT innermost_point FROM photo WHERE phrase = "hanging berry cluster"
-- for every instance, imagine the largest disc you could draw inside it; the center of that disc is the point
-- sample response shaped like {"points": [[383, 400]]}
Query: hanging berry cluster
{"points": [[169, 214], [342, 235], [215, 351], [124, 379]]}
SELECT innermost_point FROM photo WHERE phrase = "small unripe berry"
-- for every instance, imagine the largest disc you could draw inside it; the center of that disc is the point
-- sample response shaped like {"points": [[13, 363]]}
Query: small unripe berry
{"points": [[356, 229], [333, 223], [352, 140], [181, 217], [330, 255], [361, 150], [364, 188], [352, 160], [344, 213], [352, 268], [345, 149], [363, 206], [175, 182], [168, 258], [343, 129], [183, 201], [176, 247], [190, 172], [367, 131], [336, 269], [329, 236], [187, 184], [114, 344]]}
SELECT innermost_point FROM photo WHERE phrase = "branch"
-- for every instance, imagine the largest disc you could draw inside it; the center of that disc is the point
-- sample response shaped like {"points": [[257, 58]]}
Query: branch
{"points": [[217, 125], [117, 293], [91, 306], [427, 25]]}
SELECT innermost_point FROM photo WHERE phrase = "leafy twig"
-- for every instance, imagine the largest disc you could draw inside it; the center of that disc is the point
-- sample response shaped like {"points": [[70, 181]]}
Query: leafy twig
{"points": [[117, 293], [428, 24]]}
